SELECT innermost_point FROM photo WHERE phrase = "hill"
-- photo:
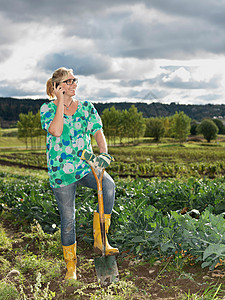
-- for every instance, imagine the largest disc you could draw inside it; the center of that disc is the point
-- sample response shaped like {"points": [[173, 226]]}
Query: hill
{"points": [[10, 108]]}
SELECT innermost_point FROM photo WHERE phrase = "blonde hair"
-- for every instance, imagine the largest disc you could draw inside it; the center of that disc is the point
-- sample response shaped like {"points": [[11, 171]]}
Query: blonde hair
{"points": [[58, 76]]}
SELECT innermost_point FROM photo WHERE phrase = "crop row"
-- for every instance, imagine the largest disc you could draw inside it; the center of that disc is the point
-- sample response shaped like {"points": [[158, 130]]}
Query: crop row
{"points": [[176, 170], [129, 167], [187, 153], [147, 218]]}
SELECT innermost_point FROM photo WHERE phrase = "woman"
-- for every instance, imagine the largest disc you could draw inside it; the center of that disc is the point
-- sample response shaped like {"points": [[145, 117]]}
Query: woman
{"points": [[69, 124]]}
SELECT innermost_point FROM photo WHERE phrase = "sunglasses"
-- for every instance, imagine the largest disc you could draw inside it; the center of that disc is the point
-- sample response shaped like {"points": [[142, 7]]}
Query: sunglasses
{"points": [[68, 82], [71, 81]]}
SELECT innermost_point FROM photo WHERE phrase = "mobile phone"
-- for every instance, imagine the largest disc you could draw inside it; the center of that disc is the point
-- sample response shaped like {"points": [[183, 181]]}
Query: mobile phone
{"points": [[57, 84]]}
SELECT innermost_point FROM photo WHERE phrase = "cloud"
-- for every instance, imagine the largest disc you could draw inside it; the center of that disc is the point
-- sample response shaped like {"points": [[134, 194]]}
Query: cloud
{"points": [[183, 79], [210, 97], [18, 90], [85, 64], [119, 49]]}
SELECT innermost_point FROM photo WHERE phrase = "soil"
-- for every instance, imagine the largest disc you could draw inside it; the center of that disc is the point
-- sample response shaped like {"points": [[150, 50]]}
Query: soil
{"points": [[144, 279]]}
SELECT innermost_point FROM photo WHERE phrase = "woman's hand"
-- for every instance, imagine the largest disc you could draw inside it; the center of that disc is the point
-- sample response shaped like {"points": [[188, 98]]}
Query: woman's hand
{"points": [[56, 127], [59, 92], [88, 156], [103, 160]]}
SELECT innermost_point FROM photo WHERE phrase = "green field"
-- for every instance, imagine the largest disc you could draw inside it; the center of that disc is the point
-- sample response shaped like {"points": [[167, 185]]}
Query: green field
{"points": [[13, 142], [168, 218]]}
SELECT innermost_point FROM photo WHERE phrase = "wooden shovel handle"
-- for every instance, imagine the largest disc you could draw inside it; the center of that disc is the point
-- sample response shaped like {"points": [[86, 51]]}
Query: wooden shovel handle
{"points": [[101, 207]]}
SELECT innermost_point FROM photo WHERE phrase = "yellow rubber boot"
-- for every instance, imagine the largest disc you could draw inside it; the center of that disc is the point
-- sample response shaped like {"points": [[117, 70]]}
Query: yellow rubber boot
{"points": [[97, 236], [70, 258]]}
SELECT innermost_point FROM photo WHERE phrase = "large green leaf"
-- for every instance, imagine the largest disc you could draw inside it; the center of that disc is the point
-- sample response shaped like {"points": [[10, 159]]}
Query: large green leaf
{"points": [[216, 249]]}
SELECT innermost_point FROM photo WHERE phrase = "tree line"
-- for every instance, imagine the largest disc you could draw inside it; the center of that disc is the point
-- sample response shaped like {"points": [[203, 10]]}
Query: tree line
{"points": [[10, 108], [129, 125]]}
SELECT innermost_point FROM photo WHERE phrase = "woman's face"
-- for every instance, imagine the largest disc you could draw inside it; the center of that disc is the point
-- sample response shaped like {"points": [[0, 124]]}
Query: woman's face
{"points": [[70, 85]]}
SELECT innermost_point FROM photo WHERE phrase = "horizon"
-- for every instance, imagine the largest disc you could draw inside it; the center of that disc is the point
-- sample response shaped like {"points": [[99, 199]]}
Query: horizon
{"points": [[116, 102]]}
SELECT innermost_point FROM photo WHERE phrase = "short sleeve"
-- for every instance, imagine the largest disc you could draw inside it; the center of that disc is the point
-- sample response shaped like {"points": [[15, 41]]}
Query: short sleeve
{"points": [[94, 120], [47, 114]]}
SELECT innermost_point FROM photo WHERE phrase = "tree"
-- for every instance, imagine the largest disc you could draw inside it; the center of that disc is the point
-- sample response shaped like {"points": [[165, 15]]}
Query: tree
{"points": [[111, 123], [181, 125], [29, 128], [220, 126], [136, 123], [39, 132], [209, 129], [193, 129], [155, 128], [22, 125], [106, 122], [167, 124], [123, 124]]}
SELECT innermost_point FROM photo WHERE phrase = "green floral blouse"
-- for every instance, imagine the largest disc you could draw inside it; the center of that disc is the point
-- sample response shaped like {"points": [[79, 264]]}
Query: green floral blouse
{"points": [[64, 152]]}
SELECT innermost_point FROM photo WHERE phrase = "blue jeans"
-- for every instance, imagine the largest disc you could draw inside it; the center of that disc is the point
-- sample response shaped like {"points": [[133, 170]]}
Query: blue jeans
{"points": [[65, 197]]}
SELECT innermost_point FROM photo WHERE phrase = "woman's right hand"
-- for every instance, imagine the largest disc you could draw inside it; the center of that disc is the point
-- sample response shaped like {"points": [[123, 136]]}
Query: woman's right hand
{"points": [[59, 92], [56, 126]]}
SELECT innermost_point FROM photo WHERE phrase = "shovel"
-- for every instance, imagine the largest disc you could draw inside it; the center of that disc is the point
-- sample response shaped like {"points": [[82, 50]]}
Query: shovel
{"points": [[105, 266]]}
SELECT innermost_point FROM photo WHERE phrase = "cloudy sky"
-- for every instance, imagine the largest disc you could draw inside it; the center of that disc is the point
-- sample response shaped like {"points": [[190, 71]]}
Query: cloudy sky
{"points": [[121, 50]]}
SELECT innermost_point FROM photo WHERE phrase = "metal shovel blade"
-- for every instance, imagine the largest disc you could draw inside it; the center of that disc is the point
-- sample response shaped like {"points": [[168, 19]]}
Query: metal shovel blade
{"points": [[106, 269]]}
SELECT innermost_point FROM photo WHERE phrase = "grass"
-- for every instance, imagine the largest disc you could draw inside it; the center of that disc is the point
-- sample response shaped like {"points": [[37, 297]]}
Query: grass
{"points": [[5, 242], [33, 264], [11, 142], [210, 293], [40, 174], [9, 139], [7, 142], [8, 291]]}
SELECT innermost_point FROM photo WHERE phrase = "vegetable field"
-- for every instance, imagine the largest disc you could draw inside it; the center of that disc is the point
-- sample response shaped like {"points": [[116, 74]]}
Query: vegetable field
{"points": [[151, 217], [168, 220]]}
